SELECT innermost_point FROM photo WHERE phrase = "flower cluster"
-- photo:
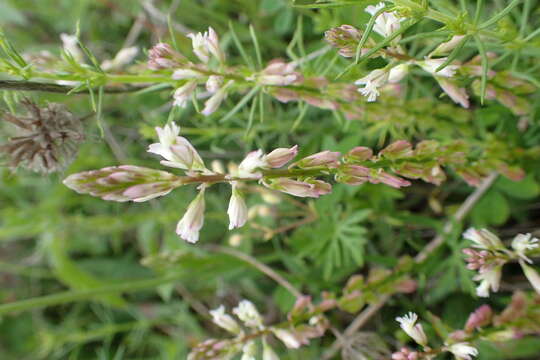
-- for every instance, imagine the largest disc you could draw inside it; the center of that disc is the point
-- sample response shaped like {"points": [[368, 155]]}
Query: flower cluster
{"points": [[408, 323], [502, 86], [301, 178], [489, 255], [519, 318], [251, 336], [281, 78]]}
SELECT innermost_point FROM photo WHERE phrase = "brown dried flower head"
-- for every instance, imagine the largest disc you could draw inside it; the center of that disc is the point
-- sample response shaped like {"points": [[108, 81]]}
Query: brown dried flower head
{"points": [[47, 138]]}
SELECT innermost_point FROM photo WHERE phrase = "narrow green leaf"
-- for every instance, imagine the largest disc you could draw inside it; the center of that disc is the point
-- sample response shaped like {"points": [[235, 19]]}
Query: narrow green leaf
{"points": [[485, 67]]}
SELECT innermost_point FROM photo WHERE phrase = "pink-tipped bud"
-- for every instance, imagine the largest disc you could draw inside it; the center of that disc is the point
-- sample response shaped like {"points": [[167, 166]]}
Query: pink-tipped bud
{"points": [[397, 150], [390, 180], [405, 354], [457, 94], [162, 56], [480, 317], [360, 153], [345, 38], [281, 156], [324, 158], [314, 188], [123, 183]]}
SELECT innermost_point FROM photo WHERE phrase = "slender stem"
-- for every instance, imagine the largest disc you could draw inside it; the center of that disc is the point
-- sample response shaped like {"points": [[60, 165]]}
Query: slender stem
{"points": [[460, 214], [61, 89], [82, 295], [500, 15], [260, 266]]}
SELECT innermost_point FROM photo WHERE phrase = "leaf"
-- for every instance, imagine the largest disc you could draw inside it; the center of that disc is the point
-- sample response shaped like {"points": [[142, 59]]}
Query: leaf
{"points": [[72, 275], [492, 209], [527, 188]]}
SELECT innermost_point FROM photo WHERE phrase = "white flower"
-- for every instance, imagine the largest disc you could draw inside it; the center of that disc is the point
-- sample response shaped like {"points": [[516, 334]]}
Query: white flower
{"points": [[490, 278], [463, 351], [213, 83], [371, 82], [252, 162], [191, 223], [247, 312], [522, 243], [386, 23], [532, 275], [206, 44], [182, 95], [225, 321], [370, 91], [483, 238], [431, 66], [167, 136], [212, 44], [397, 73], [287, 338], [122, 58], [237, 211], [415, 331], [177, 150], [181, 74], [198, 42], [212, 104]]}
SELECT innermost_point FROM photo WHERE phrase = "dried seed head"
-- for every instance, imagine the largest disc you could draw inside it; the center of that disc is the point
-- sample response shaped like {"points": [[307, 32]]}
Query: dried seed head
{"points": [[48, 138]]}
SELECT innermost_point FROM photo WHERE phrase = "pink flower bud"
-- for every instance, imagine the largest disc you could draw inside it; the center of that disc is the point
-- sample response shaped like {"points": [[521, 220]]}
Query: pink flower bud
{"points": [[320, 102], [301, 306], [162, 56], [397, 150], [480, 317], [457, 94], [281, 156], [353, 174], [314, 188], [405, 354], [212, 104], [390, 180], [345, 38], [324, 158], [360, 153], [123, 183]]}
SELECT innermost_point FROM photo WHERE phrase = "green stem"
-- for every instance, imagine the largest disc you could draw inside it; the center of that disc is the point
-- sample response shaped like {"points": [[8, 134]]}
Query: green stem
{"points": [[21, 85], [82, 295], [500, 15]]}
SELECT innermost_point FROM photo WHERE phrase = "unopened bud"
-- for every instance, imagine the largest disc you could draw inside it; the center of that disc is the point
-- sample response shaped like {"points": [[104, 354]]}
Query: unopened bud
{"points": [[345, 38], [122, 183], [323, 158], [281, 156]]}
